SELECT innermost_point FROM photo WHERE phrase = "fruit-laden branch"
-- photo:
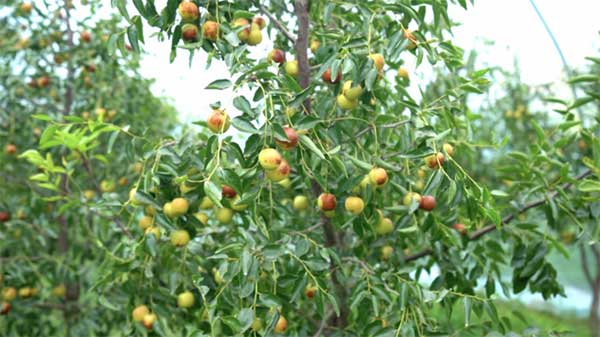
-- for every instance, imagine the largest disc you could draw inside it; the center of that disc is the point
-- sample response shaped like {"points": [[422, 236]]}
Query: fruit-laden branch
{"points": [[490, 228], [276, 22]]}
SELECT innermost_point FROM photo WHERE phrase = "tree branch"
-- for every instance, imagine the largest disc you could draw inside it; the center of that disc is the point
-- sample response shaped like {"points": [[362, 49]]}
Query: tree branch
{"points": [[301, 47], [276, 22], [490, 228], [323, 324]]}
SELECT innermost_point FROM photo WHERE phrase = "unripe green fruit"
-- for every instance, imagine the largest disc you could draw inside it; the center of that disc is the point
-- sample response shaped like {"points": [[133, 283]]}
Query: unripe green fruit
{"points": [[386, 252], [352, 93], [257, 324], [346, 104], [290, 111], [385, 226], [202, 217], [154, 231], [291, 68], [185, 299], [59, 291], [255, 36], [184, 188], [217, 276], [206, 203], [224, 215], [285, 183], [180, 238], [145, 222], [354, 205], [236, 206], [410, 197], [179, 206], [108, 186], [90, 194], [300, 203], [9, 293]]}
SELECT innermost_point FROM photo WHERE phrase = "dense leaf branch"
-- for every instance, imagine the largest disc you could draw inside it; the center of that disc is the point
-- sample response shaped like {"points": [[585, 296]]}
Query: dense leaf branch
{"points": [[490, 228]]}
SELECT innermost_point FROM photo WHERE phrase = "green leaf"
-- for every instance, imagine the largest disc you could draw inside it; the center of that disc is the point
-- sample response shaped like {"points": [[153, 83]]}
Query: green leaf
{"points": [[42, 117], [243, 125], [588, 186], [245, 317], [242, 104], [132, 36], [467, 305], [306, 141], [219, 84], [213, 192], [584, 78]]}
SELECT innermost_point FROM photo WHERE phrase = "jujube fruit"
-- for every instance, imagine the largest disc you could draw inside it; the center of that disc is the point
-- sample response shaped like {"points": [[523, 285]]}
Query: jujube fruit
{"points": [[327, 202], [427, 203]]}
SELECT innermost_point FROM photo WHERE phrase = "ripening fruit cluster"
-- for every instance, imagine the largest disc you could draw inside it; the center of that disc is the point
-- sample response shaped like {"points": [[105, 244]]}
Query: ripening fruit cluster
{"points": [[248, 32], [10, 294]]}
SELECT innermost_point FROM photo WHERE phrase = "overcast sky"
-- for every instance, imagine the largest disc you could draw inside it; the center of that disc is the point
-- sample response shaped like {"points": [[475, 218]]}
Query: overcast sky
{"points": [[512, 24]]}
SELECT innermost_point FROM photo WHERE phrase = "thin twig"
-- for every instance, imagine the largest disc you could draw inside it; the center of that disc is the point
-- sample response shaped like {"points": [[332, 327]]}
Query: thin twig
{"points": [[323, 324], [276, 22]]}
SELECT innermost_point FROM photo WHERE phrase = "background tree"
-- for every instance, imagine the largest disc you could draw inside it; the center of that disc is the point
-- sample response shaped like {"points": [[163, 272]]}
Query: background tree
{"points": [[346, 190], [61, 90], [366, 281], [512, 111]]}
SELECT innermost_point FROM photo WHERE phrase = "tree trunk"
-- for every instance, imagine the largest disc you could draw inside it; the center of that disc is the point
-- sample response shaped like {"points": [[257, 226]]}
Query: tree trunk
{"points": [[594, 282], [332, 237], [594, 307]]}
